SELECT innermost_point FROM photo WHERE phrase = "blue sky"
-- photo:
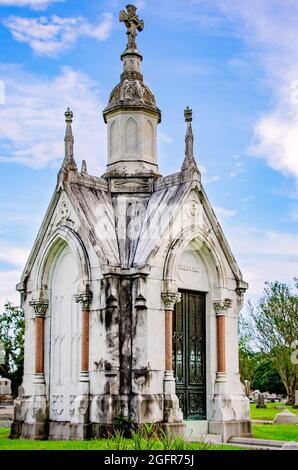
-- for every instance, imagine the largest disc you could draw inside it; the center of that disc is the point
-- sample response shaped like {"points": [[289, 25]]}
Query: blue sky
{"points": [[234, 62]]}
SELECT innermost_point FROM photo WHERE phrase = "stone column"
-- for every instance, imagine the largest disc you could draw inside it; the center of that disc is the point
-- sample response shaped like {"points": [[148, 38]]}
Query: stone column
{"points": [[85, 301], [172, 412], [220, 310], [169, 301], [40, 308]]}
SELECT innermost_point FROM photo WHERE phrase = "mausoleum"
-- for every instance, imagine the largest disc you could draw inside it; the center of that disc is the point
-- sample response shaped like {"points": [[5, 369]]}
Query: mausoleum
{"points": [[131, 292]]}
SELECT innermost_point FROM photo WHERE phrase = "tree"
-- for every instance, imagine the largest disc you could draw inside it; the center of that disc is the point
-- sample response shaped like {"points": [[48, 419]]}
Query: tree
{"points": [[275, 320], [266, 378], [12, 327], [248, 358]]}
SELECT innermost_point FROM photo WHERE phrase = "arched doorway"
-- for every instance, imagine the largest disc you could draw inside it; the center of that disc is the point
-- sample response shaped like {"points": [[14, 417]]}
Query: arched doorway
{"points": [[65, 333], [189, 353]]}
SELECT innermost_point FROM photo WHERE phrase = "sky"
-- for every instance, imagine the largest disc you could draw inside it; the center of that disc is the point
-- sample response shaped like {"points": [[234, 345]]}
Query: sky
{"points": [[234, 62]]}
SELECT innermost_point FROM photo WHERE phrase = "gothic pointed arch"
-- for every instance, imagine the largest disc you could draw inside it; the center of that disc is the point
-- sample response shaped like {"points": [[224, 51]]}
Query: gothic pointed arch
{"points": [[64, 236], [149, 138], [211, 258], [114, 138], [131, 137]]}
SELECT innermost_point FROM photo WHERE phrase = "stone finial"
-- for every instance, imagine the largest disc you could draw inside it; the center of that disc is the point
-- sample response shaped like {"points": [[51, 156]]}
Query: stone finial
{"points": [[189, 162], [133, 24], [188, 114], [40, 307], [69, 162], [170, 299], [84, 167]]}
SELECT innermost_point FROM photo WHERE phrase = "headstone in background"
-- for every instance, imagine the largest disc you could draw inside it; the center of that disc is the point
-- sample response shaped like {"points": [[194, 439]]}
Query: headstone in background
{"points": [[296, 399], [261, 401], [290, 446], [285, 417]]}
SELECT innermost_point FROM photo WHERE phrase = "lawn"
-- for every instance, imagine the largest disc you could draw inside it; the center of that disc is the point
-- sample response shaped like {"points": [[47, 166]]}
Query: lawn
{"points": [[268, 414], [276, 432], [103, 444]]}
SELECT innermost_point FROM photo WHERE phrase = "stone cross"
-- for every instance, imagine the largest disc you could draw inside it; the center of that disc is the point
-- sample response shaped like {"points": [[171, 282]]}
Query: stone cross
{"points": [[133, 23]]}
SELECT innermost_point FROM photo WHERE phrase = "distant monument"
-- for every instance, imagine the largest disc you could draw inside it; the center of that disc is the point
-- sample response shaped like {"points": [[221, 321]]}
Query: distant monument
{"points": [[261, 401]]}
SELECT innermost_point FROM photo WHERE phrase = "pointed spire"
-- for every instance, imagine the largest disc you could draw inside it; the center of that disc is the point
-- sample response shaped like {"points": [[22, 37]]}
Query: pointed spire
{"points": [[69, 162], [189, 161]]}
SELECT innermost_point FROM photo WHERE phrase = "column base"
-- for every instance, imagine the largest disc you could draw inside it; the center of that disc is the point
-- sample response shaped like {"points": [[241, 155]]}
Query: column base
{"points": [[229, 429], [172, 412]]}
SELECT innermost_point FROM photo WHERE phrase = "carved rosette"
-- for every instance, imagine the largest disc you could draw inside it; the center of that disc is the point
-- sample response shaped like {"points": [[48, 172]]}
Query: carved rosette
{"points": [[220, 307], [85, 300], [170, 299], [40, 307]]}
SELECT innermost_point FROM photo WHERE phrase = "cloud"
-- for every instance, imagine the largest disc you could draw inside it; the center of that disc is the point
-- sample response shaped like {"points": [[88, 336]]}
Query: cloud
{"points": [[270, 30], [163, 137], [14, 255], [52, 36], [223, 213], [34, 4], [32, 123], [8, 281], [264, 256]]}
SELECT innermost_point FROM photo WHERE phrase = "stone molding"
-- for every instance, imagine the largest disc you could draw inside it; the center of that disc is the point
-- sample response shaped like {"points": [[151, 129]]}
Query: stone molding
{"points": [[85, 300], [220, 307], [40, 307], [170, 299]]}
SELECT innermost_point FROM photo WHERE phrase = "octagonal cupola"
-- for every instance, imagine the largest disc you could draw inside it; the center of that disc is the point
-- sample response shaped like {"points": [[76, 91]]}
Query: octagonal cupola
{"points": [[132, 115]]}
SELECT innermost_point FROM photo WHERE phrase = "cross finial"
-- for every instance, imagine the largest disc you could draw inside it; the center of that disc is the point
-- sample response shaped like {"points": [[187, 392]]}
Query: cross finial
{"points": [[133, 23]]}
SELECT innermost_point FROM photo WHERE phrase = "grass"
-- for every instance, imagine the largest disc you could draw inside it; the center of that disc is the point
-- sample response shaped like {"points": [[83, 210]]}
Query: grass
{"points": [[118, 443], [269, 413], [276, 432]]}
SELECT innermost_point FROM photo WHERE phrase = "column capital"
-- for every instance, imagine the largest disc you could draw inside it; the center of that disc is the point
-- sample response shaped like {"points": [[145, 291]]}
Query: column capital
{"points": [[170, 299], [221, 306], [40, 307], [84, 299]]}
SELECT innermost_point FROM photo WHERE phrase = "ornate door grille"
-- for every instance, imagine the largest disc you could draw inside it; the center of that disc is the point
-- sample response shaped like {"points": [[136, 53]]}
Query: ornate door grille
{"points": [[189, 353]]}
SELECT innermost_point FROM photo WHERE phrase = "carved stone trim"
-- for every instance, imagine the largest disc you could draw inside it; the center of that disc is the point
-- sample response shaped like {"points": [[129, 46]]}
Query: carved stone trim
{"points": [[84, 299], [40, 307], [170, 299], [220, 307]]}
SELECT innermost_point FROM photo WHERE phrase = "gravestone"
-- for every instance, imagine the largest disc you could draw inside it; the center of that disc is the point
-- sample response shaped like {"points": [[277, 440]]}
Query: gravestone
{"points": [[261, 401], [296, 399], [290, 446], [285, 417]]}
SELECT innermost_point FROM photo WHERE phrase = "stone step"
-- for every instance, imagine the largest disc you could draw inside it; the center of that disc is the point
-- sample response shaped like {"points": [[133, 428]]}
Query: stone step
{"points": [[252, 447], [206, 438], [260, 443]]}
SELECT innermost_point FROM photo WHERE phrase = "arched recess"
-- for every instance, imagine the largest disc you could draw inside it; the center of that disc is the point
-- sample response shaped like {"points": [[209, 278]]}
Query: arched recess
{"points": [[149, 138], [63, 235], [210, 257], [131, 137], [192, 256], [114, 139], [63, 272]]}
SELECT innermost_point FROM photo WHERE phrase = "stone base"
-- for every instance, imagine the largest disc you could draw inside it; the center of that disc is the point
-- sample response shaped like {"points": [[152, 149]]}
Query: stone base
{"points": [[65, 431], [229, 429], [174, 429], [32, 431]]}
